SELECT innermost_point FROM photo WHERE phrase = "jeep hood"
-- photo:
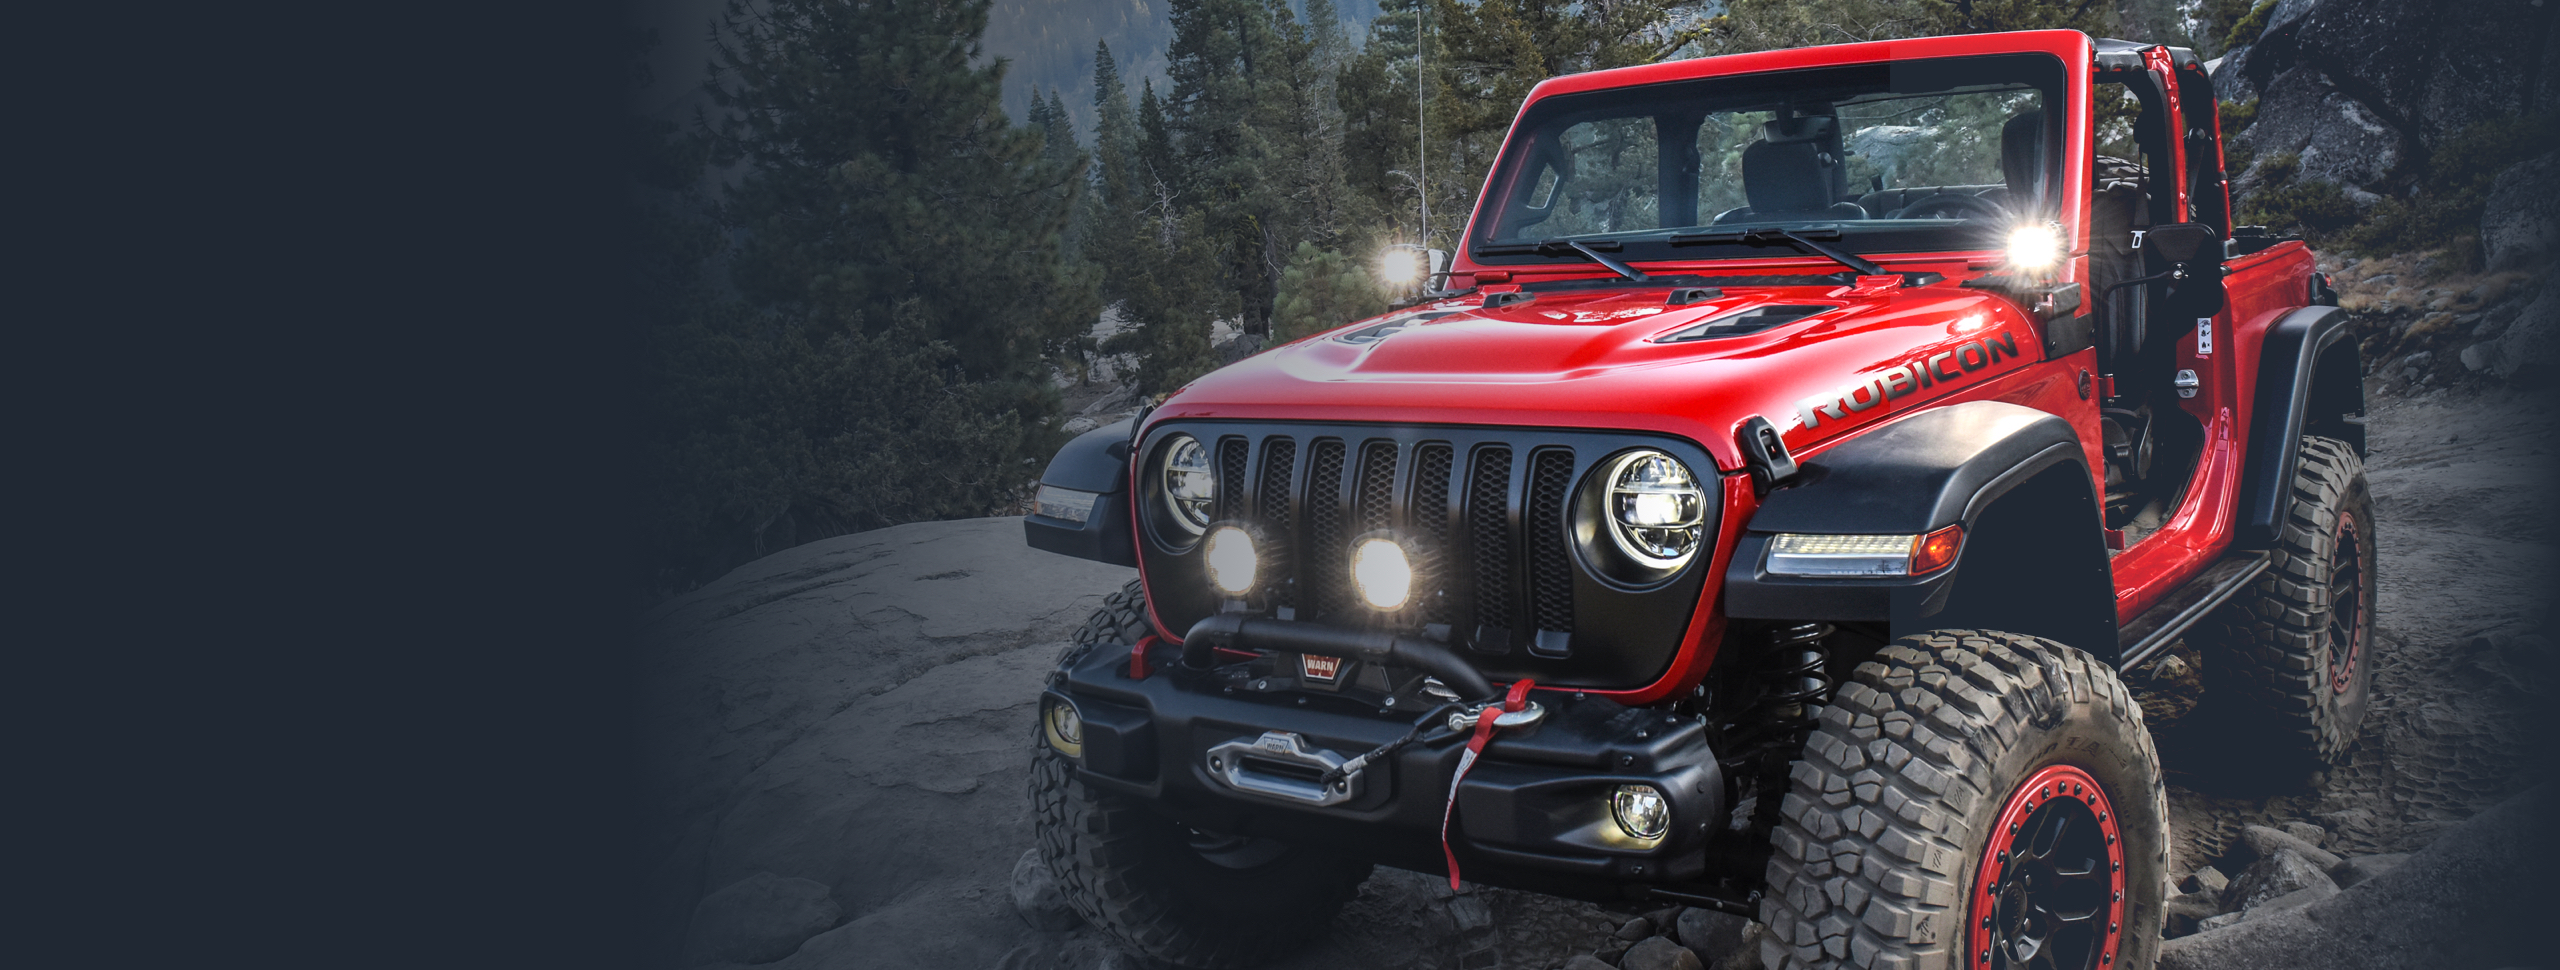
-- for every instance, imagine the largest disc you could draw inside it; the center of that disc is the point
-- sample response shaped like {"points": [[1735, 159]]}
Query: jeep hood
{"points": [[1609, 359]]}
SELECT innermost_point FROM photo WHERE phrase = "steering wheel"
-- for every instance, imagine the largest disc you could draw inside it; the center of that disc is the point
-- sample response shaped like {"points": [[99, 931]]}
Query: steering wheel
{"points": [[1955, 206]]}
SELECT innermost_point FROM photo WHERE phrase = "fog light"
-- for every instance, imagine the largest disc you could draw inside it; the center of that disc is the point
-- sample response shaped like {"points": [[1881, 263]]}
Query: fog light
{"points": [[1383, 574], [2035, 247], [1640, 811], [1065, 729], [1231, 559]]}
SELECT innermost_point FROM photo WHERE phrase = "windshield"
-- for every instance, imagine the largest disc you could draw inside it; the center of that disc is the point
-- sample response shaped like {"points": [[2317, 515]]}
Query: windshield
{"points": [[1907, 156]]}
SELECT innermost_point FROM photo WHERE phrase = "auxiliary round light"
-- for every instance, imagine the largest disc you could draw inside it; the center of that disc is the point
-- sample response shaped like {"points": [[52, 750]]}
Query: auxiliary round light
{"points": [[1400, 265], [1657, 512], [2035, 247], [1189, 486], [1231, 559], [1640, 811], [1383, 574], [1065, 729]]}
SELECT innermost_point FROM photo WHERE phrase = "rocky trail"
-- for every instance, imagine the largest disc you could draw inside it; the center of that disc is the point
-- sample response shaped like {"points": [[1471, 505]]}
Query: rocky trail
{"points": [[839, 735]]}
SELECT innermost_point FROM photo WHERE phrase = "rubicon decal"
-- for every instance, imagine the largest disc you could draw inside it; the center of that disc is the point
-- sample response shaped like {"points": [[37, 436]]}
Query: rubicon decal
{"points": [[1946, 366]]}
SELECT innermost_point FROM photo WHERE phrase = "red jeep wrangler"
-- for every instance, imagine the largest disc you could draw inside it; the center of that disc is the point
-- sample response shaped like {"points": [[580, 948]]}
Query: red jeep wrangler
{"points": [[1757, 521]]}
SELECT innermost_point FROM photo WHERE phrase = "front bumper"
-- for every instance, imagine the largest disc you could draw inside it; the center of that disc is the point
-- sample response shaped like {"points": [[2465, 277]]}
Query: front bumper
{"points": [[1533, 812]]}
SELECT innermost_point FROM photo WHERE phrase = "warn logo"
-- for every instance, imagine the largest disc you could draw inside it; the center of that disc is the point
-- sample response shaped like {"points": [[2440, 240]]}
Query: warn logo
{"points": [[1894, 382]]}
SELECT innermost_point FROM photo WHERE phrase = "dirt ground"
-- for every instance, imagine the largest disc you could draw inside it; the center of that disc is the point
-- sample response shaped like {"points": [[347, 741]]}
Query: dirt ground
{"points": [[855, 712], [2461, 482]]}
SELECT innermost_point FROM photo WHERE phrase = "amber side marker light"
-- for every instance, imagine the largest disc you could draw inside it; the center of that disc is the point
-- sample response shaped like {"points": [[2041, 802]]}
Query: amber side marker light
{"points": [[1937, 550]]}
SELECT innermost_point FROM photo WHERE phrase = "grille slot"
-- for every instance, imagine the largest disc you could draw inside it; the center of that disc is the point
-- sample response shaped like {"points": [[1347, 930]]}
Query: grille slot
{"points": [[1323, 565], [1279, 461], [1550, 564], [1427, 516], [1489, 528], [1231, 457], [1377, 485]]}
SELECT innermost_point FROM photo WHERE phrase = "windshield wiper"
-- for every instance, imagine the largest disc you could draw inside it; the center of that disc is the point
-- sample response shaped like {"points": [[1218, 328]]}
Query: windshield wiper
{"points": [[1559, 245], [1803, 241]]}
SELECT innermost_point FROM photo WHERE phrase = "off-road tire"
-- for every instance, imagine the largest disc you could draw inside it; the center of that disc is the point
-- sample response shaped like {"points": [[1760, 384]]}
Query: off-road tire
{"points": [[1889, 815], [1138, 877], [2272, 654], [1122, 619]]}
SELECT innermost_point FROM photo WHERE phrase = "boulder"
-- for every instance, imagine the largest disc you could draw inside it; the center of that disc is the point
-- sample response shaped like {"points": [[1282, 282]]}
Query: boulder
{"points": [[2186, 910], [2352, 871], [2425, 74], [2206, 880], [2267, 841], [2533, 339], [1636, 929], [2521, 226], [2307, 832], [1713, 936], [2337, 137], [759, 919], [2276, 874], [1660, 953], [1036, 897]]}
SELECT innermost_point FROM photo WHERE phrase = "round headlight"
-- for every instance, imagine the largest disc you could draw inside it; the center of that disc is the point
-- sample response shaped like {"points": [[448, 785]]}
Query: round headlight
{"points": [[1656, 510], [1189, 486]]}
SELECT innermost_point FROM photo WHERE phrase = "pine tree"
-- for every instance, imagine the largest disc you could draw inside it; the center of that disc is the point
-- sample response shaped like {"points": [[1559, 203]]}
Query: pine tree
{"points": [[883, 175]]}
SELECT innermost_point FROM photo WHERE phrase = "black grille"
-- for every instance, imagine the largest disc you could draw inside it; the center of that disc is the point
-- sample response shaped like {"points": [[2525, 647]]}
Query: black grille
{"points": [[1550, 566], [1489, 529], [1323, 562], [1484, 510]]}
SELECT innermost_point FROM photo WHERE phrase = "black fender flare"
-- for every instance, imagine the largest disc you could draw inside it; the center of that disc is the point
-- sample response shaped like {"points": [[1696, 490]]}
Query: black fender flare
{"points": [[1096, 461], [2310, 381], [1952, 465]]}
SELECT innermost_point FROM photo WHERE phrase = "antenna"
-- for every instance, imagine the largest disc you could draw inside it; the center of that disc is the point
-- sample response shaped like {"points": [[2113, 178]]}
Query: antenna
{"points": [[1421, 130]]}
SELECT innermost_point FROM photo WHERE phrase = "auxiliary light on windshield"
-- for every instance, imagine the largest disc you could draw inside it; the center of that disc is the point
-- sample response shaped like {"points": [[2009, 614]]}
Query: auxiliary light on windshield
{"points": [[2035, 247]]}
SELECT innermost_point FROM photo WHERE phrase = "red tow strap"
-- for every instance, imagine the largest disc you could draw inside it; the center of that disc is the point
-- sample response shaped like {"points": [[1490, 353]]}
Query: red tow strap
{"points": [[1511, 702]]}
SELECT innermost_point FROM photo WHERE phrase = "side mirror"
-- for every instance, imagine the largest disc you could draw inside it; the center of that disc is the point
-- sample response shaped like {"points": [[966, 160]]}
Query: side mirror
{"points": [[1436, 283], [2186, 257]]}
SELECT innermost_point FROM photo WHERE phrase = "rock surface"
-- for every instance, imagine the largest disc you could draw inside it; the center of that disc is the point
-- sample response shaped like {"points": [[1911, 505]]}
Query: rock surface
{"points": [[2466, 900], [2521, 225], [759, 919]]}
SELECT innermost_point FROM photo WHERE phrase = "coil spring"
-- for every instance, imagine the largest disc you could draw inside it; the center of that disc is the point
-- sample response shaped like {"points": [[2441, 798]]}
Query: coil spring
{"points": [[1792, 678]]}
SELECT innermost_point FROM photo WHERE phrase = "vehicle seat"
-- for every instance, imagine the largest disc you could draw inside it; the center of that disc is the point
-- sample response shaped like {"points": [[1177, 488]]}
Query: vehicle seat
{"points": [[1789, 180], [2119, 205]]}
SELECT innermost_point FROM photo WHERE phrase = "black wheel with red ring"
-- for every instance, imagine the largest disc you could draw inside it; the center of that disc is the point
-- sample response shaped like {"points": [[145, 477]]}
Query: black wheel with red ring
{"points": [[1972, 799], [2051, 891], [2288, 663]]}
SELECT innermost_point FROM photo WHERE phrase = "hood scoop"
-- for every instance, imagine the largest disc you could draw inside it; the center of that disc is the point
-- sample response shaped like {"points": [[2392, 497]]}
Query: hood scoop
{"points": [[1753, 320]]}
